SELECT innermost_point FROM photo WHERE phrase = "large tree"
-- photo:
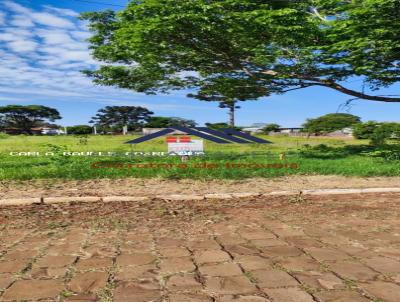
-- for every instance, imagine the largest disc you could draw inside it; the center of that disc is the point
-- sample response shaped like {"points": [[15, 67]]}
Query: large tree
{"points": [[330, 122], [116, 117], [165, 122], [27, 117], [155, 46], [228, 92]]}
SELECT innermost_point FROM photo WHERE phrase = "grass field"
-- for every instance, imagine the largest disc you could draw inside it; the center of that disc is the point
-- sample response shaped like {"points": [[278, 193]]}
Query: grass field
{"points": [[248, 160]]}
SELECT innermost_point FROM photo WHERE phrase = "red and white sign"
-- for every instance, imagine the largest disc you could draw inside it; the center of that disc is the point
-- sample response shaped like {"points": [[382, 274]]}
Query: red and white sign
{"points": [[184, 144]]}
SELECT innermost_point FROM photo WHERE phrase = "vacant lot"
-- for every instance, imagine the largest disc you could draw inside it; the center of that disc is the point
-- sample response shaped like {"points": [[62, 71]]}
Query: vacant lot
{"points": [[325, 249], [233, 161]]}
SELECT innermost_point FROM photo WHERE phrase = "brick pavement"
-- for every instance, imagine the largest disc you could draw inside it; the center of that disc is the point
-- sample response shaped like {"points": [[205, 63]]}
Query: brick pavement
{"points": [[257, 250]]}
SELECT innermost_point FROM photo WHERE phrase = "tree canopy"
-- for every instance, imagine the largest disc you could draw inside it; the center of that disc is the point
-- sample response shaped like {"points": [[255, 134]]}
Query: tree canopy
{"points": [[155, 46], [27, 117], [330, 122], [165, 122], [116, 117]]}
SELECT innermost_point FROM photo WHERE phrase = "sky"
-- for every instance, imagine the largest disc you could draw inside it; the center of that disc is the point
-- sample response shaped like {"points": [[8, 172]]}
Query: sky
{"points": [[43, 48]]}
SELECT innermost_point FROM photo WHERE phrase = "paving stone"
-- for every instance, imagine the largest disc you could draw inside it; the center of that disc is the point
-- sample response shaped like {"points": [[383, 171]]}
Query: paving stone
{"points": [[174, 252], [353, 270], [5, 280], [65, 249], [242, 249], [210, 256], [230, 239], [93, 263], [135, 259], [82, 298], [281, 251], [302, 263], [176, 265], [229, 298], [203, 245], [12, 266], [33, 290], [303, 242], [230, 285], [20, 255], [137, 291], [189, 298], [256, 234], [170, 242], [288, 232], [262, 243], [136, 272], [48, 272], [340, 296], [253, 262], [319, 280], [183, 283], [55, 261], [273, 278], [100, 251], [221, 269], [326, 254], [89, 282], [292, 294], [389, 292], [384, 265]]}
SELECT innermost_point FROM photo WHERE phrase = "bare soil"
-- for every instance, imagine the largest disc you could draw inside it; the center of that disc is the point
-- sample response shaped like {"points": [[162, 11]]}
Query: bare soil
{"points": [[159, 186]]}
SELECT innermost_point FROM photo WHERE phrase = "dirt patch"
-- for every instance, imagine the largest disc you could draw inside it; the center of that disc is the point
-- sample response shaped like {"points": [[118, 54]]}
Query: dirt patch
{"points": [[158, 186]]}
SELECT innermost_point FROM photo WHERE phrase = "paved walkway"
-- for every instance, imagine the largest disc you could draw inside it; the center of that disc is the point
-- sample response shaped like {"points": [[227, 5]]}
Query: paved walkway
{"points": [[281, 249]]}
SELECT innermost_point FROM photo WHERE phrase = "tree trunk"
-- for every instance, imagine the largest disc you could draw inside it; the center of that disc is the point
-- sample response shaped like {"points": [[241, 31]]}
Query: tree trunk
{"points": [[232, 114]]}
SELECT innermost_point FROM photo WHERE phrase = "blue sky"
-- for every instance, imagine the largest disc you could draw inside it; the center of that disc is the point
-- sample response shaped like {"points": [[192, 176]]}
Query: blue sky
{"points": [[42, 49]]}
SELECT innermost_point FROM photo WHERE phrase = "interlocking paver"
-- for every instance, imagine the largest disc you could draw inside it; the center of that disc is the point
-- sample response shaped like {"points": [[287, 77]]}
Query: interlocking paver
{"points": [[89, 282], [383, 265], [291, 294], [341, 296], [93, 263], [302, 263], [144, 291], [319, 280], [220, 269], [353, 270], [210, 256], [176, 265], [281, 251], [135, 259], [230, 285], [33, 290], [136, 272], [386, 291], [326, 254], [189, 298], [183, 283], [238, 254], [227, 298], [12, 266], [273, 278]]}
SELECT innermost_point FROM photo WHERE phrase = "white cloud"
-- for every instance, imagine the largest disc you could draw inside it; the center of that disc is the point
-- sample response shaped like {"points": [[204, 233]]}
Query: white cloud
{"points": [[51, 20], [43, 52], [62, 11], [22, 46], [2, 18], [21, 21]]}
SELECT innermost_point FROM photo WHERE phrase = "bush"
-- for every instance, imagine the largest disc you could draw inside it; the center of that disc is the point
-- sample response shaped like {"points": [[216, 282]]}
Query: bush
{"points": [[378, 133], [80, 129], [323, 151], [270, 127]]}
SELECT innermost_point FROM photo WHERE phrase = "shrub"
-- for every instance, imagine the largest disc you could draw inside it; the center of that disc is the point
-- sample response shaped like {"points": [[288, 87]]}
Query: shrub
{"points": [[80, 129]]}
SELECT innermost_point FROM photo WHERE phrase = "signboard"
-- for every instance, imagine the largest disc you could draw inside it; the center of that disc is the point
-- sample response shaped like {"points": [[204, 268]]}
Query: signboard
{"points": [[191, 146]]}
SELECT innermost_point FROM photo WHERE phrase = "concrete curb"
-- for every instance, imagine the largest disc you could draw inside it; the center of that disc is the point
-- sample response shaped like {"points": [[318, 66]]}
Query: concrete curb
{"points": [[178, 197]]}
